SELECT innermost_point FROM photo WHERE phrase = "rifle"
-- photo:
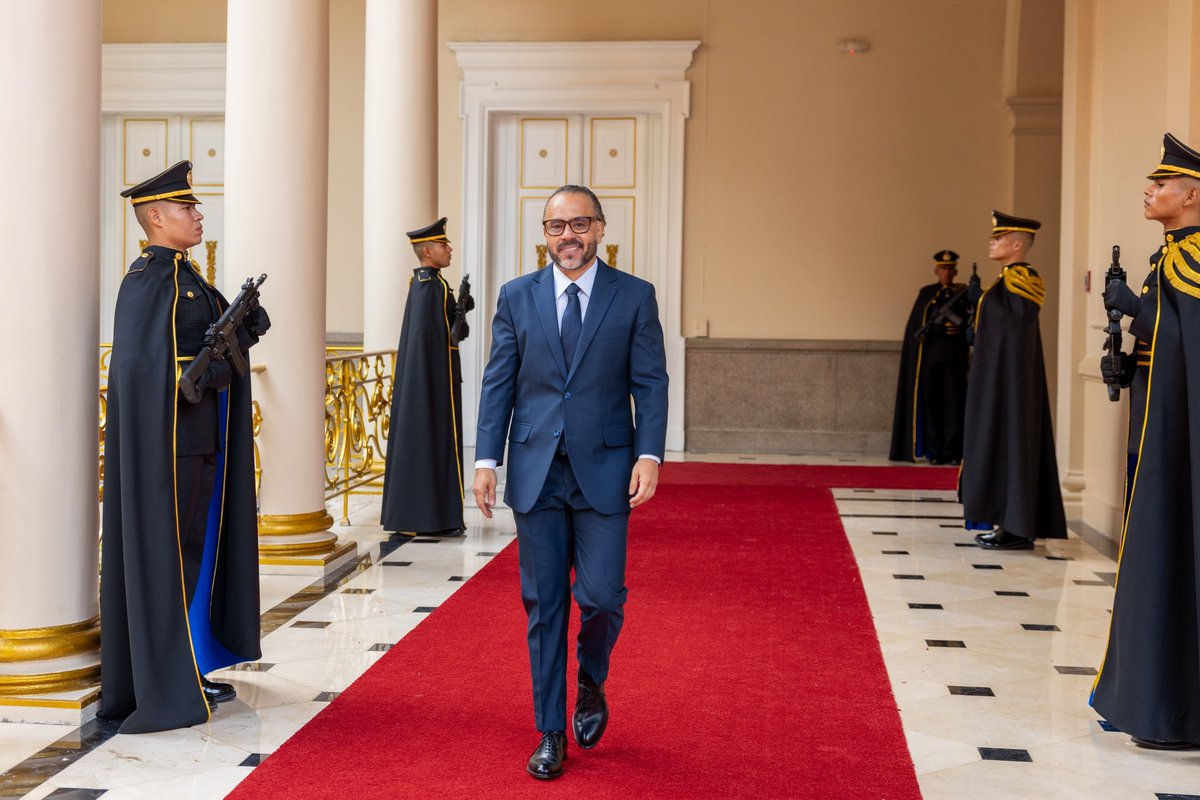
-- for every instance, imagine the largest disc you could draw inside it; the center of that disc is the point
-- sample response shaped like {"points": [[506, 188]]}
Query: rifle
{"points": [[220, 341], [948, 311], [459, 329], [1113, 330]]}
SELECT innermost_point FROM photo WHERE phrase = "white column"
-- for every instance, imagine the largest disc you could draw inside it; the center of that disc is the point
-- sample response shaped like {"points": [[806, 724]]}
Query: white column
{"points": [[277, 145], [49, 634], [399, 155]]}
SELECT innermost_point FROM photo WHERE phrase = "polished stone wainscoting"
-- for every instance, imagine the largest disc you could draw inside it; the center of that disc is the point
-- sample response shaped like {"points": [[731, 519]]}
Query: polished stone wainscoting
{"points": [[790, 396]]}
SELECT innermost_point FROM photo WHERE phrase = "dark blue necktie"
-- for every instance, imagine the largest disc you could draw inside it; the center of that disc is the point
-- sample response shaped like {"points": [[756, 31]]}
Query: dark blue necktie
{"points": [[572, 323]]}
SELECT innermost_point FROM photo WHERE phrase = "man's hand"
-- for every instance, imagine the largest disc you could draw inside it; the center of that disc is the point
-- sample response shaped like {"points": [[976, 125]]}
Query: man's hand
{"points": [[1118, 370], [1118, 295], [217, 375], [642, 482], [485, 490], [257, 322]]}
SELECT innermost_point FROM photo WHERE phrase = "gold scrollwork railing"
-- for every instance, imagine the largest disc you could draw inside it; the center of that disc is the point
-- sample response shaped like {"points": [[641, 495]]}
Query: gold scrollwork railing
{"points": [[358, 396], [211, 247], [105, 355]]}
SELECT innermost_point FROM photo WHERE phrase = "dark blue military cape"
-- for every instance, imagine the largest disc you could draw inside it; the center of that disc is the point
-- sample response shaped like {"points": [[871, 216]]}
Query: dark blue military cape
{"points": [[153, 648], [1149, 683], [917, 431], [423, 484], [1009, 474]]}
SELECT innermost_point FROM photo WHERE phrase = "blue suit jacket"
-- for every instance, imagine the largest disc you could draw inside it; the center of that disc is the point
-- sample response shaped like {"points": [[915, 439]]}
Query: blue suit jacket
{"points": [[620, 354]]}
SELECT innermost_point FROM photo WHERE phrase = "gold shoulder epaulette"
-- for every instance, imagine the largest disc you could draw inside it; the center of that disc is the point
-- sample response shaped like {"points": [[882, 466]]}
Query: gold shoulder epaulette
{"points": [[1022, 282], [1181, 264]]}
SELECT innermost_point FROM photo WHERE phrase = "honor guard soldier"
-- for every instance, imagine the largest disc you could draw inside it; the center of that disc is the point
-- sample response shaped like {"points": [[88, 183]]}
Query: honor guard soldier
{"points": [[179, 582], [423, 480], [1009, 477], [934, 357], [1149, 682]]}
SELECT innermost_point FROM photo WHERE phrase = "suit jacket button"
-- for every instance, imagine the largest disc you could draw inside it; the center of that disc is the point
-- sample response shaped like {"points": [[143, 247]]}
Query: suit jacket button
{"points": [[567, 396], [556, 434]]}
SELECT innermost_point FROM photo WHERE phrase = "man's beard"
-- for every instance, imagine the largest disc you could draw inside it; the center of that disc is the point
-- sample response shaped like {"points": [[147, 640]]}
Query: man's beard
{"points": [[589, 253]]}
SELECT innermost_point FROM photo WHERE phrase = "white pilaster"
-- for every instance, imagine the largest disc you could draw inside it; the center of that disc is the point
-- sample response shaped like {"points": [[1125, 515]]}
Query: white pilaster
{"points": [[399, 155]]}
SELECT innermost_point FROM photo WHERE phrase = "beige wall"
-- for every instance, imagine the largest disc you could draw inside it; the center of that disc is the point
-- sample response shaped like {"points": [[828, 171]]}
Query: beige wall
{"points": [[135, 21], [1129, 77]]}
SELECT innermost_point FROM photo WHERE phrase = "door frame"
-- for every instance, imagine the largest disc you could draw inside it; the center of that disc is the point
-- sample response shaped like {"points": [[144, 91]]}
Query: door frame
{"points": [[584, 78]]}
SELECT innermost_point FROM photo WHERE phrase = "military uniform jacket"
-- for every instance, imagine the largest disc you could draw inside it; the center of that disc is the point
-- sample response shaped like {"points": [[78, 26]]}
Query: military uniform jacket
{"points": [[423, 484], [1142, 328], [153, 647], [915, 432], [1149, 683], [1009, 474]]}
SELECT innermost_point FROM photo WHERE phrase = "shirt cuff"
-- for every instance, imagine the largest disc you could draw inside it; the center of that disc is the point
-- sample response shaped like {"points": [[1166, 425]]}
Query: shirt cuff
{"points": [[655, 459], [486, 463]]}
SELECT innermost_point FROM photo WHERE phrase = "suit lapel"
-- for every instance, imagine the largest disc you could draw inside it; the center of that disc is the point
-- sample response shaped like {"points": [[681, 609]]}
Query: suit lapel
{"points": [[603, 292], [543, 301]]}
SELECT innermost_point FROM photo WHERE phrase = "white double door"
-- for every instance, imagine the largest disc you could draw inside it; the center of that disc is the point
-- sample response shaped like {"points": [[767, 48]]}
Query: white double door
{"points": [[534, 155], [136, 148]]}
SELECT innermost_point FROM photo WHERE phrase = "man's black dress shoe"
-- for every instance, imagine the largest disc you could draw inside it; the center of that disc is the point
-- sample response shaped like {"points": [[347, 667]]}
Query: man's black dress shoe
{"points": [[446, 533], [1001, 539], [1163, 744], [217, 692], [547, 760], [591, 712]]}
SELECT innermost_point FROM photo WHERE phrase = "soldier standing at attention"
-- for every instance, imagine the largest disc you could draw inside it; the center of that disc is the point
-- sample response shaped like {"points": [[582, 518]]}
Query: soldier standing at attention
{"points": [[933, 372], [1009, 477], [1149, 683], [179, 582], [423, 481]]}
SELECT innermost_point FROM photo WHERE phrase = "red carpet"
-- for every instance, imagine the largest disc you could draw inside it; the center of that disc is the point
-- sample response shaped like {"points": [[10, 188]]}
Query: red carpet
{"points": [[748, 667]]}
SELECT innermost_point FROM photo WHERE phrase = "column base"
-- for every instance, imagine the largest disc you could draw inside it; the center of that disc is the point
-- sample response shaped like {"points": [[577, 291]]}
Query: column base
{"points": [[61, 708], [301, 544], [318, 564]]}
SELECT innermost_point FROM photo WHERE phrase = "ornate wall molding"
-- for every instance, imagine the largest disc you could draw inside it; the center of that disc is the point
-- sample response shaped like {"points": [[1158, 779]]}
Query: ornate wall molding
{"points": [[163, 78]]}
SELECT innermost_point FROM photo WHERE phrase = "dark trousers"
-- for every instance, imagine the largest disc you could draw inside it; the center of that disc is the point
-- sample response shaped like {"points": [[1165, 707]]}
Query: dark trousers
{"points": [[558, 533], [194, 490]]}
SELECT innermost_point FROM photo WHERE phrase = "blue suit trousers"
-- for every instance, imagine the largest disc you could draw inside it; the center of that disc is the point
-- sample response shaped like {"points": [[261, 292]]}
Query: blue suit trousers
{"points": [[562, 531]]}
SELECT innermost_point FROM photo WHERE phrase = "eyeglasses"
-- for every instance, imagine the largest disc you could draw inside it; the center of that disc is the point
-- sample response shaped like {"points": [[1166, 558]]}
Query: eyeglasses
{"points": [[556, 227]]}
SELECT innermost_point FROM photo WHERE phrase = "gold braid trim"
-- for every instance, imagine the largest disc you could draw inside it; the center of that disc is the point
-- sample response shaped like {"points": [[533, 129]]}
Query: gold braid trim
{"points": [[1180, 263], [1021, 282]]}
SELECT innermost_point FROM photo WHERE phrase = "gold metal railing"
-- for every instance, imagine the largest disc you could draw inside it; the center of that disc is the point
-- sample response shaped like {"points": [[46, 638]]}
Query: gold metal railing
{"points": [[358, 396], [105, 355]]}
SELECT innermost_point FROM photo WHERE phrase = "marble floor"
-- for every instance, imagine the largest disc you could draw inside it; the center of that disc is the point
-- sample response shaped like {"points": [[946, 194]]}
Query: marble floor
{"points": [[991, 657]]}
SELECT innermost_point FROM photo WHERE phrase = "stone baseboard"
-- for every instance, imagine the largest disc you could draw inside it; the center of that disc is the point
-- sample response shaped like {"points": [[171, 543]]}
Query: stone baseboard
{"points": [[790, 396]]}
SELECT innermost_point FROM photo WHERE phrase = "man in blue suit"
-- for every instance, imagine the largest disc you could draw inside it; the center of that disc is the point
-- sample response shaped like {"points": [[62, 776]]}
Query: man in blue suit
{"points": [[570, 346]]}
